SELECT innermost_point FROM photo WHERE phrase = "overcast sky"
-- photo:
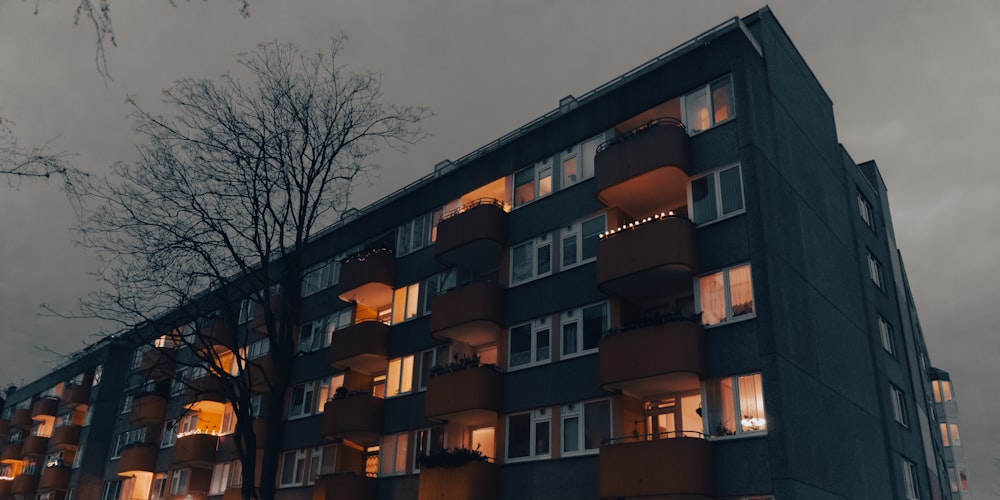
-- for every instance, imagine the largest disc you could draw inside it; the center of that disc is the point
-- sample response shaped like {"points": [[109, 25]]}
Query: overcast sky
{"points": [[914, 85]]}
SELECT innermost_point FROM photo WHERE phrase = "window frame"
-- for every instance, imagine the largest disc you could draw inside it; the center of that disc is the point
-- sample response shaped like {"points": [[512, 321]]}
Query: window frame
{"points": [[534, 247], [738, 432], [410, 296], [886, 334], [298, 468], [535, 327], [576, 316], [875, 272], [865, 211], [574, 231], [535, 417], [730, 317], [536, 168], [910, 479], [898, 400], [707, 92], [716, 174], [404, 362], [578, 411], [320, 276], [424, 443], [179, 481], [384, 448]]}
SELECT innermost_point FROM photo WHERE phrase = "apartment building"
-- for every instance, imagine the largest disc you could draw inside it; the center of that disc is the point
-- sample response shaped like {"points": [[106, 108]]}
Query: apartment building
{"points": [[946, 415], [679, 285]]}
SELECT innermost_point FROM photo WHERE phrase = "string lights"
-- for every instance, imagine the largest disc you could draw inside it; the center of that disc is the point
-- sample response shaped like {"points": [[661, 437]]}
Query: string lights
{"points": [[635, 224]]}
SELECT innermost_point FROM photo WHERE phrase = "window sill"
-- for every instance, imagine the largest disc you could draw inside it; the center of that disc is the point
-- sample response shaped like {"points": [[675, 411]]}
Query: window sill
{"points": [[714, 125], [526, 459], [737, 213], [738, 319], [745, 435]]}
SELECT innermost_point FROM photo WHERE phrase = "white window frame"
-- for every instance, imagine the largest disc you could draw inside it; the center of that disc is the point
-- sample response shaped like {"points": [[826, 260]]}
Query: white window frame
{"points": [[423, 441], [389, 453], [137, 356], [710, 102], [534, 245], [575, 316], [320, 277], [417, 237], [538, 170], [727, 291], [439, 284], [220, 478], [865, 211], [574, 233], [717, 194], [406, 303], [169, 436], [395, 383], [898, 399], [112, 490], [535, 327], [535, 417], [875, 271], [885, 333], [430, 358], [179, 479], [577, 411], [738, 410], [910, 479], [308, 398], [298, 464], [78, 457]]}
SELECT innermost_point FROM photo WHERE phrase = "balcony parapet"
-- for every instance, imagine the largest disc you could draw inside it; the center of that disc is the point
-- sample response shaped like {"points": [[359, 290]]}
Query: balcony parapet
{"points": [[259, 323], [21, 418], [475, 480], [196, 449], [55, 478], [35, 446], [147, 409], [368, 277], [470, 395], [649, 359], [674, 465], [361, 347], [4, 428], [345, 485], [471, 314], [6, 488], [158, 363], [65, 436], [358, 417], [25, 484], [137, 457], [44, 407], [11, 451], [639, 170], [75, 394], [220, 335], [474, 236]]}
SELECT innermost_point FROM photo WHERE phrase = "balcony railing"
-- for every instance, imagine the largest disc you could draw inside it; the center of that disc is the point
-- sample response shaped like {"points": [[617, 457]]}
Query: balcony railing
{"points": [[644, 169], [138, 457], [654, 358], [361, 347], [471, 314], [472, 396], [65, 436], [475, 480], [358, 417], [45, 407], [474, 236], [672, 464]]}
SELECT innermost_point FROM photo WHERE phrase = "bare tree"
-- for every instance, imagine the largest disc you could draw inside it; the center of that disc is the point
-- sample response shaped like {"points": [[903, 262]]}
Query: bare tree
{"points": [[226, 193], [39, 162]]}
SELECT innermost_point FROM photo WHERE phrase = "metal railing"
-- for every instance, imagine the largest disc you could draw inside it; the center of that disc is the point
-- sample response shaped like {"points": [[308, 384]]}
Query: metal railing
{"points": [[664, 121], [475, 203], [655, 436]]}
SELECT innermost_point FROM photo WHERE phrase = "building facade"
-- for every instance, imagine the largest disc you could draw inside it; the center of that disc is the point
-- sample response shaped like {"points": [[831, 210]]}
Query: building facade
{"points": [[679, 285]]}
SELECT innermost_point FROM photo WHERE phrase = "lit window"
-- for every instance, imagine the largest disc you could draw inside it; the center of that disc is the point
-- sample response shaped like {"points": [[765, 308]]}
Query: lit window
{"points": [[910, 479], [392, 459], [865, 211], [427, 441], [952, 479], [326, 386], [581, 329], [570, 170], [579, 241], [944, 435], [585, 426], [709, 105], [530, 343], [531, 259], [220, 478], [726, 295], [429, 359], [293, 468], [955, 440], [885, 331], [735, 405], [399, 376], [964, 479], [942, 390], [898, 405], [315, 464], [112, 490], [179, 481], [532, 182], [875, 271], [717, 195], [529, 434], [404, 303]]}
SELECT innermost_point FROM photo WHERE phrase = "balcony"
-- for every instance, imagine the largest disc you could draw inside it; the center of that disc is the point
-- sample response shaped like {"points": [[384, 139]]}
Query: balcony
{"points": [[259, 323], [11, 451], [345, 485], [158, 363], [219, 334], [470, 481], [358, 417], [74, 395], [55, 478], [471, 314], [474, 237], [650, 261], [646, 169], [205, 388], [21, 418], [680, 467], [471, 396], [35, 446], [361, 347], [138, 457], [65, 436], [147, 409], [44, 407], [653, 359], [196, 449], [367, 278], [25, 484]]}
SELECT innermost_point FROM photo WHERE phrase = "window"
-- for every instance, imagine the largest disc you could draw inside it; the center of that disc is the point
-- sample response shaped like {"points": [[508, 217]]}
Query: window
{"points": [[169, 434], [530, 343], [735, 405], [417, 233], [392, 459], [111, 490], [326, 386], [316, 335], [531, 259], [570, 168], [898, 405], [529, 434], [127, 401], [293, 468], [942, 390], [159, 489], [955, 439], [220, 478], [78, 457], [320, 277], [137, 356], [532, 182], [301, 403], [585, 426], [910, 479], [315, 464], [427, 441], [437, 285], [179, 481], [709, 105], [399, 376], [717, 195], [875, 271], [579, 241], [726, 295], [429, 359], [404, 303], [865, 211], [885, 331], [116, 447], [581, 329]]}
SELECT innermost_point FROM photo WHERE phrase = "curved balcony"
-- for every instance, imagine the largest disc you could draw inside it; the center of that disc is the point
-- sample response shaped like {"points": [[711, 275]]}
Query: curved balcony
{"points": [[44, 407], [139, 457], [345, 485], [205, 388], [25, 484], [74, 395], [158, 363], [11, 451], [196, 449], [653, 359], [147, 409], [55, 478], [4, 428], [680, 467], [471, 314], [35, 446], [6, 488], [21, 418], [358, 417], [474, 237], [219, 334], [649, 262], [646, 169], [471, 396], [361, 347], [367, 278], [65, 436], [469, 481]]}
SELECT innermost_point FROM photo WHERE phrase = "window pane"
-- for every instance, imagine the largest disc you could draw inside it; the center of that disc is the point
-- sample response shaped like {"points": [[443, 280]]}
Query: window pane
{"points": [[524, 186], [406, 382], [751, 403], [944, 435], [403, 240], [594, 325], [721, 414], [426, 362], [696, 107], [722, 100], [569, 338], [731, 187], [957, 441], [741, 290], [544, 180], [519, 435], [713, 300], [597, 421], [590, 231], [521, 267], [703, 199], [520, 345], [398, 304], [542, 345], [544, 259], [569, 171], [388, 452], [570, 434], [288, 468], [412, 292], [419, 233], [400, 461], [542, 437], [569, 250], [392, 378]]}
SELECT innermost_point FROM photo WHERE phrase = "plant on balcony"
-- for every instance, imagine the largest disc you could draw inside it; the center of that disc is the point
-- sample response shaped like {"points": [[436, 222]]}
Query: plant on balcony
{"points": [[458, 363], [657, 317], [451, 457]]}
